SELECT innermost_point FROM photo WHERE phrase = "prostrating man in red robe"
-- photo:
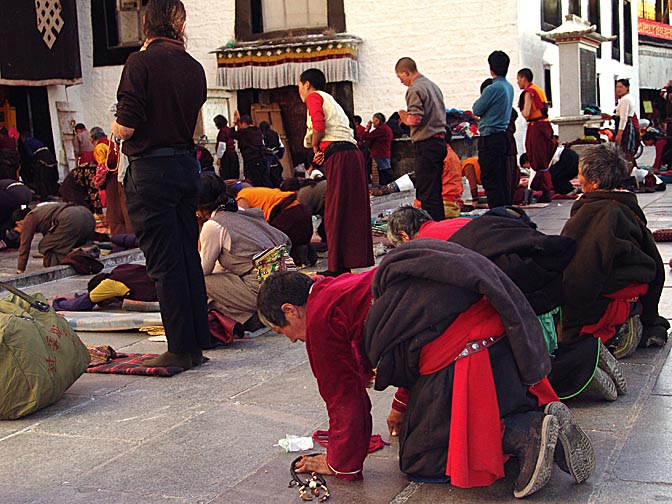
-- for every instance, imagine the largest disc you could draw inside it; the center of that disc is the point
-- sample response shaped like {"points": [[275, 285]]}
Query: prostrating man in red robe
{"points": [[329, 315]]}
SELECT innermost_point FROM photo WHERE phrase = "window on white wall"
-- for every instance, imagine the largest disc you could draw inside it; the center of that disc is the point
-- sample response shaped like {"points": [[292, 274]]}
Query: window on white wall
{"points": [[594, 14], [289, 14], [267, 19], [129, 21], [627, 33], [551, 14], [616, 29], [574, 7], [594, 18], [117, 30], [547, 86]]}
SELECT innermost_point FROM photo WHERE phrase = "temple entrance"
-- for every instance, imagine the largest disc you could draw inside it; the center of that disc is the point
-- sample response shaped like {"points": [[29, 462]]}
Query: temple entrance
{"points": [[26, 108], [293, 111]]}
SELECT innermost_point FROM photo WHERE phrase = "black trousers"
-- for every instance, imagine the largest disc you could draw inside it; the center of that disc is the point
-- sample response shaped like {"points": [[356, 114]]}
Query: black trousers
{"points": [[565, 170], [161, 196], [385, 176], [229, 167], [496, 176], [425, 433], [429, 155]]}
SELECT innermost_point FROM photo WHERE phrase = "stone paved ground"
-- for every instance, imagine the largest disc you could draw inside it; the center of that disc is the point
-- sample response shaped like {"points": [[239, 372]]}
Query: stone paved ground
{"points": [[208, 435]]}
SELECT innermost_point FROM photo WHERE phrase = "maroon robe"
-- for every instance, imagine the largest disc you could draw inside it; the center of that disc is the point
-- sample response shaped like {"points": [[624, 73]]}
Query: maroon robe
{"points": [[336, 310], [347, 212], [540, 148]]}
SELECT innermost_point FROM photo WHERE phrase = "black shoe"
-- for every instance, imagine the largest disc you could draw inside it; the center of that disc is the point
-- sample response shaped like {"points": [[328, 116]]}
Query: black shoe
{"points": [[531, 437], [574, 452], [196, 358], [312, 255], [545, 197], [300, 255], [603, 386], [655, 334], [253, 323], [613, 369], [627, 338]]}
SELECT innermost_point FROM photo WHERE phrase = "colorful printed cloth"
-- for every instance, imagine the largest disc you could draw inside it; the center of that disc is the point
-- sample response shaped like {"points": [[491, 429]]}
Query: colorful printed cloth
{"points": [[272, 260], [131, 364], [101, 355]]}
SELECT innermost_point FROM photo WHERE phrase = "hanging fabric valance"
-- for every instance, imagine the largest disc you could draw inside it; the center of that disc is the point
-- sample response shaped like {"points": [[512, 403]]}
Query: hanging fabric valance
{"points": [[274, 64]]}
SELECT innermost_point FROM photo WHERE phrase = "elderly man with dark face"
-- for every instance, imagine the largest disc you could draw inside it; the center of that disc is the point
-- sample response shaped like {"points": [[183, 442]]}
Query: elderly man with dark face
{"points": [[613, 284]]}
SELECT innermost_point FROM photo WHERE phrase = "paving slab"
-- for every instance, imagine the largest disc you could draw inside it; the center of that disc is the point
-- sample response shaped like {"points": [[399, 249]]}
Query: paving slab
{"points": [[628, 492], [42, 460], [646, 456], [79, 495]]}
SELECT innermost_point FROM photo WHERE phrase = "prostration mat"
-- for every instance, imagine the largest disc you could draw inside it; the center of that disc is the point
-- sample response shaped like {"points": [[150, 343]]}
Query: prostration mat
{"points": [[95, 321], [131, 364]]}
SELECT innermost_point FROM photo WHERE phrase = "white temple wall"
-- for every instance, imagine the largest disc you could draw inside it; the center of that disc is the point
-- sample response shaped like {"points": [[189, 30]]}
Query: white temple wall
{"points": [[449, 40]]}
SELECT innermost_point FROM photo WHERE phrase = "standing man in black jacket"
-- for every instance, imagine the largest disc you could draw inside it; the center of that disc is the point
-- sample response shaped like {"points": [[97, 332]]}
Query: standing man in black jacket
{"points": [[161, 91], [251, 145]]}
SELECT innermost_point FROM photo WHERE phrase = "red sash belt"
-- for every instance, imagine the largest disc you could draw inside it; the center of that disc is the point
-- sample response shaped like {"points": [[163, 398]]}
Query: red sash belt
{"points": [[475, 455], [617, 312]]}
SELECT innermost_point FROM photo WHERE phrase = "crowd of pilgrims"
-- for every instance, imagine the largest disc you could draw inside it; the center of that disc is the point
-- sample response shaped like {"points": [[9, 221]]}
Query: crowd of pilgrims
{"points": [[484, 325]]}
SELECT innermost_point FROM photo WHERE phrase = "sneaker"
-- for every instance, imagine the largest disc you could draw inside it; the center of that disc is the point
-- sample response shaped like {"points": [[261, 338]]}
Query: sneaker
{"points": [[603, 386], [574, 452], [627, 338], [531, 437], [610, 365]]}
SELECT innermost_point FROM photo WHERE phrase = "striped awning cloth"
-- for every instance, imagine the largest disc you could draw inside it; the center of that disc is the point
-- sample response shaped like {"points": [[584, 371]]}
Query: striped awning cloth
{"points": [[269, 64]]}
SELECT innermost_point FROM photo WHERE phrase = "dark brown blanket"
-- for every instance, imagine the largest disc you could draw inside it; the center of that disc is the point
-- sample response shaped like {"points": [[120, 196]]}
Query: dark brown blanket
{"points": [[533, 260], [613, 249], [419, 290]]}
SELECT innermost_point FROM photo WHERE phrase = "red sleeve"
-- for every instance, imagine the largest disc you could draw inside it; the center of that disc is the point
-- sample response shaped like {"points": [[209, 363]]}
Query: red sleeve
{"points": [[374, 135], [660, 145], [314, 104], [400, 400], [329, 347]]}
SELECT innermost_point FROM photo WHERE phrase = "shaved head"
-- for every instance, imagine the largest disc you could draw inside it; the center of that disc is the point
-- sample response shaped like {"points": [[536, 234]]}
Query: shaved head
{"points": [[406, 64]]}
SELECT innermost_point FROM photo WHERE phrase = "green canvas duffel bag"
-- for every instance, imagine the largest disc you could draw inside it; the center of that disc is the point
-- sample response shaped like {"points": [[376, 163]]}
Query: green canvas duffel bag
{"points": [[40, 354]]}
